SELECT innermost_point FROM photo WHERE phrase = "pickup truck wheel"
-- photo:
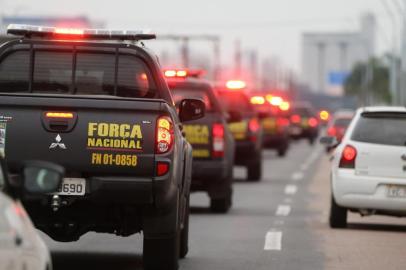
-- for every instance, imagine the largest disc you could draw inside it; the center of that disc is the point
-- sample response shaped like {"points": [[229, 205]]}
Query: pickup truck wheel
{"points": [[184, 234], [254, 170], [159, 254], [338, 215], [220, 205], [282, 151]]}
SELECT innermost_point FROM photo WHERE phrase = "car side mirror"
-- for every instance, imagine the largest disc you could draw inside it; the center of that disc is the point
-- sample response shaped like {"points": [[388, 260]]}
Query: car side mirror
{"points": [[42, 177], [234, 116], [329, 140], [191, 109]]}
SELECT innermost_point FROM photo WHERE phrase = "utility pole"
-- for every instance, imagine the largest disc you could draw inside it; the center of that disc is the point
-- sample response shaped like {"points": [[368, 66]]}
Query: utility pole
{"points": [[185, 51], [238, 58]]}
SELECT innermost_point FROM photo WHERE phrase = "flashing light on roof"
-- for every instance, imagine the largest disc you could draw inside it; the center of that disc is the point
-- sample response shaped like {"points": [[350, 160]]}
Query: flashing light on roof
{"points": [[285, 106], [236, 84], [276, 101], [102, 34], [257, 100], [183, 73]]}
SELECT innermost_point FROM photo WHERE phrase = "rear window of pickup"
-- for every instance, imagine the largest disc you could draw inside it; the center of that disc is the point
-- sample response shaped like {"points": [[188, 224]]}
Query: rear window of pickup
{"points": [[80, 72]]}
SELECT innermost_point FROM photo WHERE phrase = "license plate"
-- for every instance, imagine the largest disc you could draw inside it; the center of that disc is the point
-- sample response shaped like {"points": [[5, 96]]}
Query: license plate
{"points": [[397, 191], [72, 187]]}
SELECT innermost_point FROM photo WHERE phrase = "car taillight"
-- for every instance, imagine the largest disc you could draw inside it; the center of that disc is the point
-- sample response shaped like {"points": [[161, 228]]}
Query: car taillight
{"points": [[348, 157], [295, 119], [313, 122], [282, 122], [164, 135], [218, 140], [253, 127], [162, 168], [332, 131]]}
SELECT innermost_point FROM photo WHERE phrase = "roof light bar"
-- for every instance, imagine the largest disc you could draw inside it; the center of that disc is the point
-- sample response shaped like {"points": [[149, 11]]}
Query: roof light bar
{"points": [[236, 84], [45, 31], [183, 73]]}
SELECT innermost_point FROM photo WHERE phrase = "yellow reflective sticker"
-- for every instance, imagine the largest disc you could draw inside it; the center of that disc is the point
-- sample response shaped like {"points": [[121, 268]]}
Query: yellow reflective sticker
{"points": [[305, 122], [197, 134], [269, 125], [201, 153], [112, 136], [239, 130]]}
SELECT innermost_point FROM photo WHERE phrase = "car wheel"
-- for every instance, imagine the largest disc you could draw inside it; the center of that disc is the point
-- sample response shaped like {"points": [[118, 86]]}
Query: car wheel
{"points": [[221, 205], [282, 151], [255, 170], [312, 140], [184, 234], [161, 253], [338, 215]]}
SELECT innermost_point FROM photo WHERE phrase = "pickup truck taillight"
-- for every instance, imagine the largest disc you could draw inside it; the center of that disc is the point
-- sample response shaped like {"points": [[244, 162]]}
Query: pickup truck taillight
{"points": [[253, 127], [218, 140], [348, 156], [164, 135]]}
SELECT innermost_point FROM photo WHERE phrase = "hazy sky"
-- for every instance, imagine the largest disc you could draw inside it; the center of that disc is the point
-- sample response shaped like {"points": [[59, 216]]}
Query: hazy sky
{"points": [[273, 27]]}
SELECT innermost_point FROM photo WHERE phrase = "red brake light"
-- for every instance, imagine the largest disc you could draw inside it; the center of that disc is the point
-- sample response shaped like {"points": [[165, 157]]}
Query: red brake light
{"points": [[218, 140], [254, 125], [332, 131], [348, 157], [164, 135], [162, 168], [313, 122], [282, 122], [295, 119]]}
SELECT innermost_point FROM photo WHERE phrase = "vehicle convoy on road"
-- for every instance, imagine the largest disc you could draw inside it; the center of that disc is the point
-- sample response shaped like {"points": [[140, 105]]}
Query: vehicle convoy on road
{"points": [[247, 132], [275, 123], [212, 141], [304, 123], [21, 247], [368, 168], [96, 102]]}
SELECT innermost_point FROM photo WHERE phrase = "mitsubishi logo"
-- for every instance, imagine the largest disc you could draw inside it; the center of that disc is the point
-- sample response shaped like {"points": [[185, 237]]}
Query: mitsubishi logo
{"points": [[58, 143]]}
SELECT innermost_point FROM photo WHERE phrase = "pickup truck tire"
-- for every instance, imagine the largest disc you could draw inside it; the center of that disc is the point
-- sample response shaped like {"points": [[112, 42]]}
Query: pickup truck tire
{"points": [[338, 215], [282, 151], [159, 254], [184, 234], [220, 205], [254, 173]]}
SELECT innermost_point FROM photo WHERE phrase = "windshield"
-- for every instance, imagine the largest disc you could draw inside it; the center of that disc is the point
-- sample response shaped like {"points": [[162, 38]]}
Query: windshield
{"points": [[342, 122], [233, 101], [81, 73], [381, 130]]}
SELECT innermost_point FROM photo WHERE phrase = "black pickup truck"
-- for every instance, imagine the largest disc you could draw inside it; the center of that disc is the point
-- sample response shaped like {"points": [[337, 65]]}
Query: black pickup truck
{"points": [[212, 141], [97, 104]]}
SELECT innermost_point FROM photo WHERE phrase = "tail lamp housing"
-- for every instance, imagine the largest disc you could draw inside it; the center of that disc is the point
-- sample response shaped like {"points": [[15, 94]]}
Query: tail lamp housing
{"points": [[218, 140], [348, 157], [164, 135]]}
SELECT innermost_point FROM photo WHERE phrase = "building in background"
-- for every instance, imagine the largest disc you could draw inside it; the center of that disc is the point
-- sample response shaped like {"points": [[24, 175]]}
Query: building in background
{"points": [[328, 58]]}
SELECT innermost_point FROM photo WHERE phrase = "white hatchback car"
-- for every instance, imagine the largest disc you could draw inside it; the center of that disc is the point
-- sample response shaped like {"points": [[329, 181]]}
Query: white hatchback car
{"points": [[369, 166], [20, 244]]}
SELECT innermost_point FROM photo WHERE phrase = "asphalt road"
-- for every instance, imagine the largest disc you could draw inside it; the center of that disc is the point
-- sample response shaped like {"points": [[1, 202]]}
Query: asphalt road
{"points": [[278, 223]]}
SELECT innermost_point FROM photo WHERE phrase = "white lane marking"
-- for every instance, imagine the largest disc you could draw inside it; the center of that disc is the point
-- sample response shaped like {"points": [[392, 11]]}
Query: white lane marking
{"points": [[273, 240], [297, 176], [283, 210], [290, 189], [288, 200], [278, 222]]}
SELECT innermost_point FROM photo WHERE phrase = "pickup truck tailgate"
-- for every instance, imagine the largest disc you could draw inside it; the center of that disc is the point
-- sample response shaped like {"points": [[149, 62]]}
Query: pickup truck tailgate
{"points": [[90, 136]]}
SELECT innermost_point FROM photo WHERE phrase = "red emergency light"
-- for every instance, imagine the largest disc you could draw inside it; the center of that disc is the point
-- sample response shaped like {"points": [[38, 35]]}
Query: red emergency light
{"points": [[183, 73], [236, 84]]}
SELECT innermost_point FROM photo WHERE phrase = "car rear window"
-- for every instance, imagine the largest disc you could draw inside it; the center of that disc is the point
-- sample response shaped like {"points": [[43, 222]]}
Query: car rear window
{"points": [[381, 129], [179, 94], [81, 73], [233, 101], [302, 111]]}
